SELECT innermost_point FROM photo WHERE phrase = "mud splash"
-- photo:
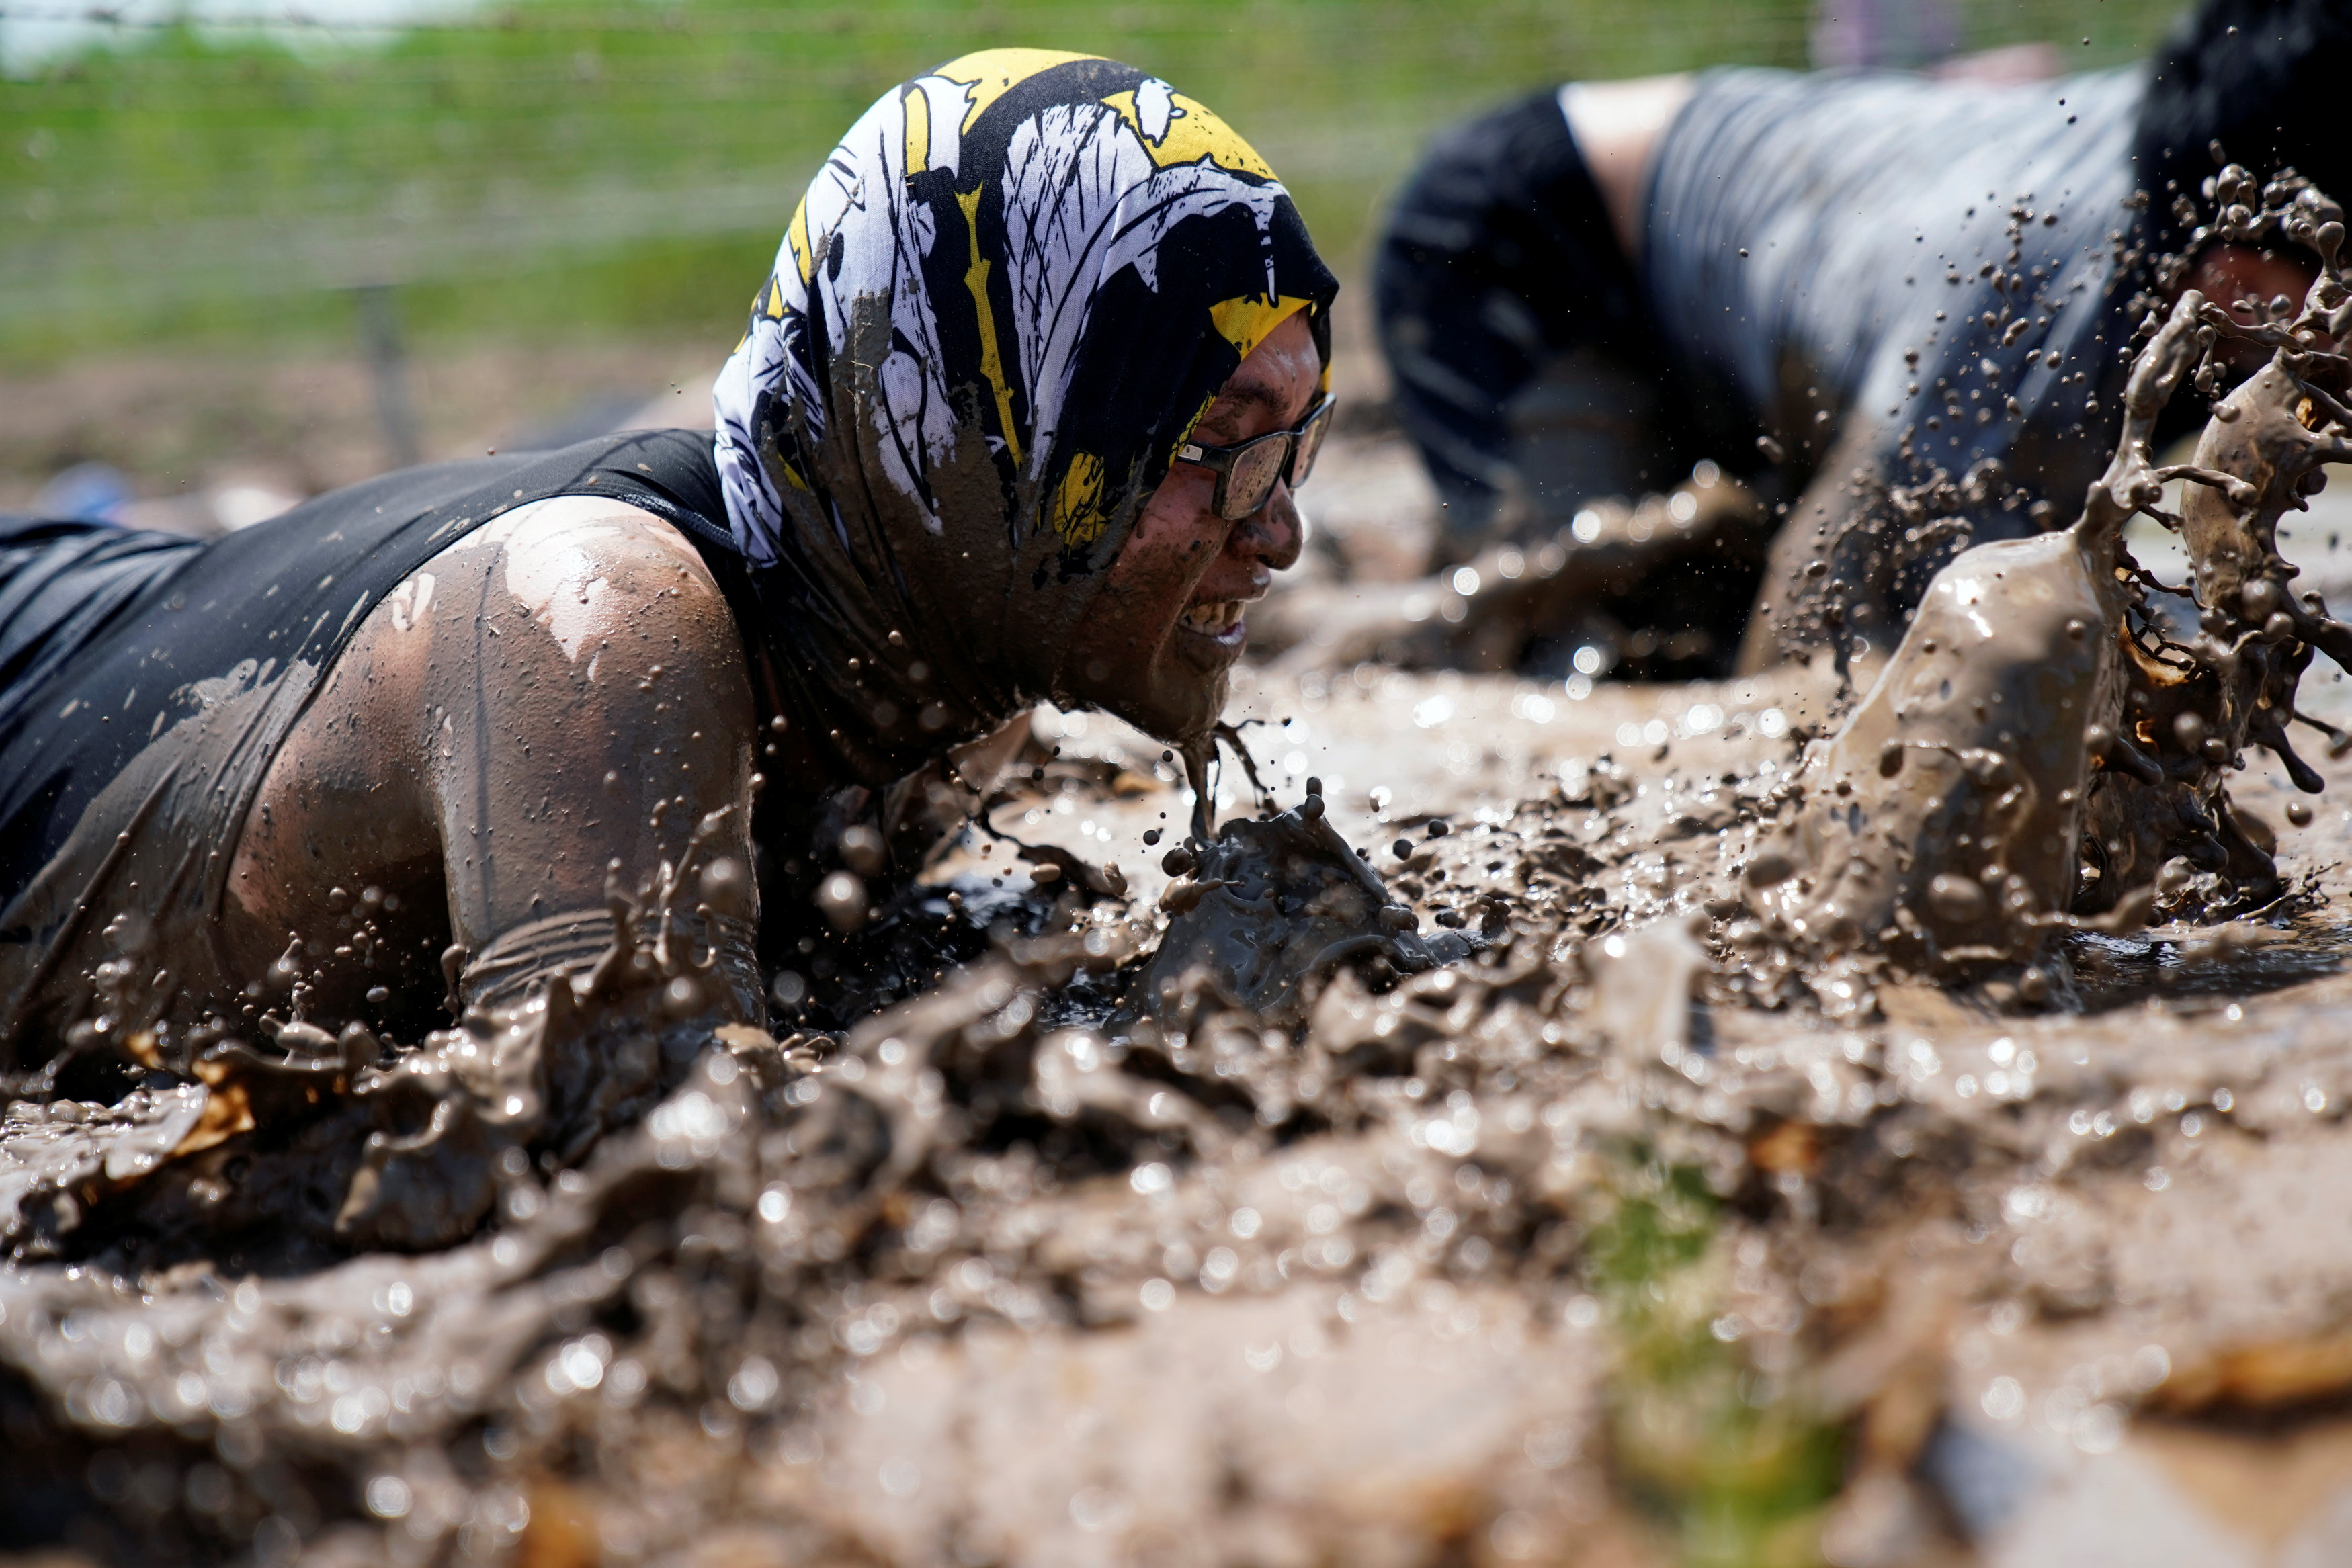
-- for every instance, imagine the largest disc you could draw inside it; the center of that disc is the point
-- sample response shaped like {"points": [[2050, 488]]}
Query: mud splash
{"points": [[2030, 699], [288, 1153], [2194, 709], [1944, 816], [1264, 911], [1641, 1230], [1571, 1245], [1541, 600]]}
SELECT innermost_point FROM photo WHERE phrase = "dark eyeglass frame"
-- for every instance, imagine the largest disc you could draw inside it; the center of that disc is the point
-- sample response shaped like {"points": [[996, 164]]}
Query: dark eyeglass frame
{"points": [[1301, 444]]}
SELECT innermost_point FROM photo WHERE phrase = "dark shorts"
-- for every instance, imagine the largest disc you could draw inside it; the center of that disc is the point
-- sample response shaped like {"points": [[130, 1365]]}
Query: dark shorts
{"points": [[1526, 360]]}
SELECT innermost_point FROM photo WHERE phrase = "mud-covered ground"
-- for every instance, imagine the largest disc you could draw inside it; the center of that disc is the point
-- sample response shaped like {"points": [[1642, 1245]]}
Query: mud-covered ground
{"points": [[1616, 1241], [1572, 1252]]}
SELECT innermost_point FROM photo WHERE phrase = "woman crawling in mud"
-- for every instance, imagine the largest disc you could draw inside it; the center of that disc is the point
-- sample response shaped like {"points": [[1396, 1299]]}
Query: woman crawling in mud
{"points": [[1016, 418]]}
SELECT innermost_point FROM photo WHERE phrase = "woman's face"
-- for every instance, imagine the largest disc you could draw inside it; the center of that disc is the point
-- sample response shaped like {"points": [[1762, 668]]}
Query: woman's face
{"points": [[1167, 625]]}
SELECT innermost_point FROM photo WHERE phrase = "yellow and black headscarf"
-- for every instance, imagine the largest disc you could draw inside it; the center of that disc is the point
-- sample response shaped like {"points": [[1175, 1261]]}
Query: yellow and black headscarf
{"points": [[1009, 294]]}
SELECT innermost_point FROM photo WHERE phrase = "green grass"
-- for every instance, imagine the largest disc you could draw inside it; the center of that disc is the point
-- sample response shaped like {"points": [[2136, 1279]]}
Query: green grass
{"points": [[1736, 1464], [559, 166]]}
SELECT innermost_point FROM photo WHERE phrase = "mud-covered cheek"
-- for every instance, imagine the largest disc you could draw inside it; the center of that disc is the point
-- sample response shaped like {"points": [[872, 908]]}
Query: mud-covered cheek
{"points": [[1159, 583]]}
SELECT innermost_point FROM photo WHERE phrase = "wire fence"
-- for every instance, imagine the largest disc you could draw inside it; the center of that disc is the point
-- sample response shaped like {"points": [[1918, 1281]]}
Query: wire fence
{"points": [[222, 167]]}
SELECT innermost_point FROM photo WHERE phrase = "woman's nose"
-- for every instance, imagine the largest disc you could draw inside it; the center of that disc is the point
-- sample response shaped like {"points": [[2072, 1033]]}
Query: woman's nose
{"points": [[1273, 533]]}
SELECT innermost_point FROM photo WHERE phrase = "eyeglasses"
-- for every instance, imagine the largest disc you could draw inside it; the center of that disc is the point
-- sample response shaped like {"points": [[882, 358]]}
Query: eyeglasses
{"points": [[1246, 473]]}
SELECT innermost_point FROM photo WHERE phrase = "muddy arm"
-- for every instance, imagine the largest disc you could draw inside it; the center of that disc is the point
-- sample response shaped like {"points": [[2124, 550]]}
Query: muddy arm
{"points": [[592, 721]]}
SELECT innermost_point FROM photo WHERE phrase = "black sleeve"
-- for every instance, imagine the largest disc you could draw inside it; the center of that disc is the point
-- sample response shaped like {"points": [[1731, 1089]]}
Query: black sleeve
{"points": [[1497, 260]]}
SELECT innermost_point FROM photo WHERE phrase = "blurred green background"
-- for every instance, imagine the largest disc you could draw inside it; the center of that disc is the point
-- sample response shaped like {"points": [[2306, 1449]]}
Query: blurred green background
{"points": [[555, 169]]}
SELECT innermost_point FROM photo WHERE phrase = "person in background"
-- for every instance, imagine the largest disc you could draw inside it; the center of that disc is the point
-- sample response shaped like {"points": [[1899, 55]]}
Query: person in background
{"points": [[1830, 285]]}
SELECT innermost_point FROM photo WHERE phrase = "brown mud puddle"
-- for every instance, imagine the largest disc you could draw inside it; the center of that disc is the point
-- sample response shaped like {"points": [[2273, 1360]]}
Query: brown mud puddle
{"points": [[1568, 1252], [1484, 1160]]}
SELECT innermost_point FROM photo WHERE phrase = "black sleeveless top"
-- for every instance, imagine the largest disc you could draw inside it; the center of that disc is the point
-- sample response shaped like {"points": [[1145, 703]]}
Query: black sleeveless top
{"points": [[142, 714]]}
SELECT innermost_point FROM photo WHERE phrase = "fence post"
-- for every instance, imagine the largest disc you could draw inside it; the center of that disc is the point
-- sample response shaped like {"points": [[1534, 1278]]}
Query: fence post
{"points": [[388, 369]]}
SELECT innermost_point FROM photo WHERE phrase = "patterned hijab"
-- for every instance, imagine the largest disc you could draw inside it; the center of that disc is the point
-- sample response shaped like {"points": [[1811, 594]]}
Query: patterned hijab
{"points": [[1009, 294]]}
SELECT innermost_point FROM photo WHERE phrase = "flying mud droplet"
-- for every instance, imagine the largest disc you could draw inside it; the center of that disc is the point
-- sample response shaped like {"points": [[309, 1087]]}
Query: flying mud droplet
{"points": [[862, 849], [841, 899], [727, 886]]}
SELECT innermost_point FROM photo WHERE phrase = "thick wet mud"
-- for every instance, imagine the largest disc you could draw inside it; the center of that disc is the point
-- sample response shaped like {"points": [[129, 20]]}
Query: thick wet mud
{"points": [[1720, 1123], [1576, 1242]]}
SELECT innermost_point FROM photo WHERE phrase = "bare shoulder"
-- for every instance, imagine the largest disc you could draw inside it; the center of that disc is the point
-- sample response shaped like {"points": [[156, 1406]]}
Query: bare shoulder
{"points": [[559, 689], [602, 608], [1616, 125], [555, 588], [588, 527], [562, 586], [580, 566]]}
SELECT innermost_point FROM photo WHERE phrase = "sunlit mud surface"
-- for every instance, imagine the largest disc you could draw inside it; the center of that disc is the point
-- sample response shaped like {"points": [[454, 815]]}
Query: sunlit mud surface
{"points": [[1448, 1166], [1578, 1249]]}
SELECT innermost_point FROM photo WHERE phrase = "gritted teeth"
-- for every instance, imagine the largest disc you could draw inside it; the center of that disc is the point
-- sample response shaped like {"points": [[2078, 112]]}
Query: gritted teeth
{"points": [[1213, 619]]}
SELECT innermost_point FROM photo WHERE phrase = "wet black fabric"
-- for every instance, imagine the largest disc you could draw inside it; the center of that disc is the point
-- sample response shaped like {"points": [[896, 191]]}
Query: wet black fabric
{"points": [[156, 679], [60, 584], [1932, 274], [1497, 261]]}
